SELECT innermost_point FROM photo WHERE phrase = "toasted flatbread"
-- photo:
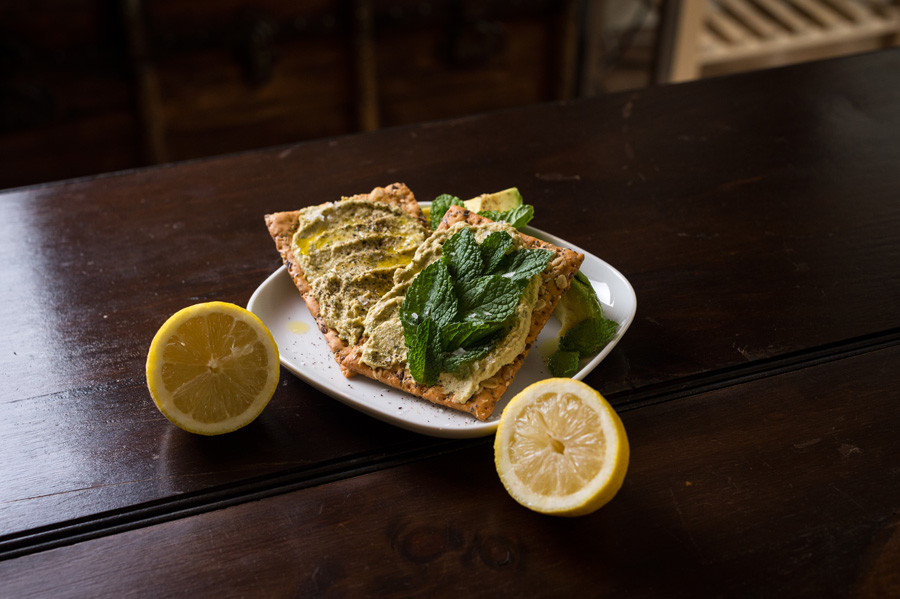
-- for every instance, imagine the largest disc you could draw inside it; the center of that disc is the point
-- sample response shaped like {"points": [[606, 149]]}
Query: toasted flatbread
{"points": [[283, 225], [554, 282]]}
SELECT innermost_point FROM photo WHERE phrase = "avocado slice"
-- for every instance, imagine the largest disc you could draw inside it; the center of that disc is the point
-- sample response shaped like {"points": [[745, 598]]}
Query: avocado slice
{"points": [[584, 329], [500, 201], [577, 304]]}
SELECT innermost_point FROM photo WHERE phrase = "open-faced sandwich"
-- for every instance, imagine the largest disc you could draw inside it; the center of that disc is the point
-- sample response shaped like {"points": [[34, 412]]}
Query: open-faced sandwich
{"points": [[448, 315], [342, 256]]}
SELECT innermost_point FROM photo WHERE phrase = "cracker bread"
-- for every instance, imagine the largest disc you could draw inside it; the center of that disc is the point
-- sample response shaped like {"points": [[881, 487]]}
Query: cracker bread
{"points": [[554, 282], [283, 225]]}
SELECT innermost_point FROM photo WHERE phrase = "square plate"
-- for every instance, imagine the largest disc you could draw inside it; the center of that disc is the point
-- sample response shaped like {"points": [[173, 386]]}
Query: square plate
{"points": [[305, 353]]}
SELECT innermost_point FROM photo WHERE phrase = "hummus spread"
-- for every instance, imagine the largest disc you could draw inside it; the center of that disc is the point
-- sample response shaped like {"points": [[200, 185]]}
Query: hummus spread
{"points": [[349, 251], [385, 346]]}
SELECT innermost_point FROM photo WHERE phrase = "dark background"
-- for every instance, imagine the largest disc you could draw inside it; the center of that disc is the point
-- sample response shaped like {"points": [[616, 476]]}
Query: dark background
{"points": [[90, 86]]}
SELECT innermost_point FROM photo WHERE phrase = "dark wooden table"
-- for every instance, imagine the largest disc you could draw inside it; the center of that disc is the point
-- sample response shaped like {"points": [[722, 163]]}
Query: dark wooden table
{"points": [[758, 219]]}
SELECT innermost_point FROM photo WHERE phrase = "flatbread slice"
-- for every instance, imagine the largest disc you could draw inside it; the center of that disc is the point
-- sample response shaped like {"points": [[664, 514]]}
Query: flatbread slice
{"points": [[283, 225], [554, 282]]}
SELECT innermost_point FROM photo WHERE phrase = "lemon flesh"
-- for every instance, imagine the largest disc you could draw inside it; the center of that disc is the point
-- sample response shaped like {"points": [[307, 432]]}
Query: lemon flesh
{"points": [[561, 448], [212, 368]]}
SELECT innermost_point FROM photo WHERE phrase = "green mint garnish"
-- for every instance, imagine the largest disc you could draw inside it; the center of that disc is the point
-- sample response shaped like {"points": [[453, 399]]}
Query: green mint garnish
{"points": [[457, 335], [520, 266], [517, 217], [584, 339], [462, 256], [459, 307], [453, 360], [423, 350], [589, 336], [429, 297], [493, 248], [564, 363], [490, 298]]}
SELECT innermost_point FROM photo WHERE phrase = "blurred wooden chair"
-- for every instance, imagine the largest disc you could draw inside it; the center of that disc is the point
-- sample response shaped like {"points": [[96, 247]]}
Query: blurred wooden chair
{"points": [[712, 37]]}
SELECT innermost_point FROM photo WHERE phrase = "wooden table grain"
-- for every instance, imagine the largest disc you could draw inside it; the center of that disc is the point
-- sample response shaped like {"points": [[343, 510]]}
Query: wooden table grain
{"points": [[757, 217]]}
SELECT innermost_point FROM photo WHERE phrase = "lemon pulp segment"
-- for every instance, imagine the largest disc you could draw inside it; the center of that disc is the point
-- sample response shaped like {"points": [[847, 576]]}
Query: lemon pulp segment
{"points": [[557, 445]]}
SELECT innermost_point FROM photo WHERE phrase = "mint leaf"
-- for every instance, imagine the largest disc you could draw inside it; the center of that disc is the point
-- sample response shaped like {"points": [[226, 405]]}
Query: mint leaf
{"points": [[564, 363], [430, 296], [589, 336], [429, 304], [452, 361], [494, 247], [463, 256], [517, 217], [466, 334], [439, 207], [487, 299], [521, 265], [454, 312], [423, 353]]}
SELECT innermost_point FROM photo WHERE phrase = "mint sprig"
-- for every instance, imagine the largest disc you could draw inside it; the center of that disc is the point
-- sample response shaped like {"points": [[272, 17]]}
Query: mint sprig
{"points": [[429, 304], [584, 339], [520, 266], [462, 256], [459, 307], [494, 248], [517, 217], [430, 297], [423, 350], [490, 298], [589, 336]]}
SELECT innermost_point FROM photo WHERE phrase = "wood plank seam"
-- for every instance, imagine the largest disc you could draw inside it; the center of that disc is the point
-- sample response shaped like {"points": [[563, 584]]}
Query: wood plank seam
{"points": [[756, 370], [109, 523], [48, 537]]}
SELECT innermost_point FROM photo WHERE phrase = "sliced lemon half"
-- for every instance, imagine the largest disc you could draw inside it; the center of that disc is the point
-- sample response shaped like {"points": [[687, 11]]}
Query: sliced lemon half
{"points": [[212, 368], [561, 448]]}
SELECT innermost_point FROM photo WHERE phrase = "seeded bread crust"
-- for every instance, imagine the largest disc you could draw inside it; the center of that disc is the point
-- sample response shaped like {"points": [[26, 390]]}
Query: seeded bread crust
{"points": [[283, 225], [554, 281]]}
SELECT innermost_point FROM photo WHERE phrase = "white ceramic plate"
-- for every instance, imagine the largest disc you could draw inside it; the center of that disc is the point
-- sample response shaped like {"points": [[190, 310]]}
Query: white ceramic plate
{"points": [[304, 352]]}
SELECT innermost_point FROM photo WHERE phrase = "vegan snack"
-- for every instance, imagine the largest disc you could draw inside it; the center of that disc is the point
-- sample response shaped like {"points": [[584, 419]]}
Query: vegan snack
{"points": [[481, 385], [448, 316], [342, 256]]}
